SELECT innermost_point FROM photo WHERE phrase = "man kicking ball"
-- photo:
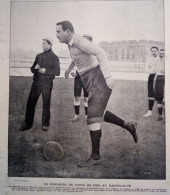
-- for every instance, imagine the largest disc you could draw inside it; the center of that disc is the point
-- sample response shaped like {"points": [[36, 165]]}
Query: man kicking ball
{"points": [[92, 65]]}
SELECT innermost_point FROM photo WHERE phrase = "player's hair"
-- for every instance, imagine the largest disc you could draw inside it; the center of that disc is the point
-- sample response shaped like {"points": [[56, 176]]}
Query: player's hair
{"points": [[154, 47], [66, 25], [161, 50]]}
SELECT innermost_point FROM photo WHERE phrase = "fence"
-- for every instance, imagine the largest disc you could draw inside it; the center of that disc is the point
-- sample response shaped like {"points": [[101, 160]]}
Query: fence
{"points": [[27, 63], [115, 66], [126, 66]]}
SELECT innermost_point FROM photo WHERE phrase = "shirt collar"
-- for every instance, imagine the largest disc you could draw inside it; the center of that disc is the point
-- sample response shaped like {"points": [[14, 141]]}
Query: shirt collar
{"points": [[45, 52], [71, 41]]}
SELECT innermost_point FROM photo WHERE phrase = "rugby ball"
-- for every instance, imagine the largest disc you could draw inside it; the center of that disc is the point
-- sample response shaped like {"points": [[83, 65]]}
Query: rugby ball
{"points": [[53, 151]]}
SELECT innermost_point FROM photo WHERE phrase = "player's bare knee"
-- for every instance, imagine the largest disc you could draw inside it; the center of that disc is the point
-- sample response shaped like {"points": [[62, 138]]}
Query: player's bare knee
{"points": [[85, 104], [76, 101], [94, 126], [160, 105], [151, 98]]}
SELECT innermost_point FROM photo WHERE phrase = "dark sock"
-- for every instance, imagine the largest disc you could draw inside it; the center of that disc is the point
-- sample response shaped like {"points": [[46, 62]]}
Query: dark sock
{"points": [[151, 103], [112, 118], [77, 108], [95, 139], [160, 110], [85, 108]]}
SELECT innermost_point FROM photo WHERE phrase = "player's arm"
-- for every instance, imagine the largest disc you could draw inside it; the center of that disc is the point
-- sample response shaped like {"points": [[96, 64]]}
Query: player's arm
{"points": [[161, 67], [54, 70], [162, 70], [70, 68], [35, 65], [97, 51], [148, 66]]}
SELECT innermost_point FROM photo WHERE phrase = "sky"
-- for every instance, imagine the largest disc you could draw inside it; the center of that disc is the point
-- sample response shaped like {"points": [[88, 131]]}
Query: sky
{"points": [[105, 20]]}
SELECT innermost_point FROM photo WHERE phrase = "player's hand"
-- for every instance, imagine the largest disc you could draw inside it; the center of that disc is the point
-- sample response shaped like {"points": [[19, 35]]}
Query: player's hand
{"points": [[41, 70], [67, 72], [110, 82], [74, 74], [37, 66]]}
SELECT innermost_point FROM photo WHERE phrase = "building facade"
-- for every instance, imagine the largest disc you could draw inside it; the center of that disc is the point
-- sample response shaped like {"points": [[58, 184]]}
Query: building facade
{"points": [[129, 51]]}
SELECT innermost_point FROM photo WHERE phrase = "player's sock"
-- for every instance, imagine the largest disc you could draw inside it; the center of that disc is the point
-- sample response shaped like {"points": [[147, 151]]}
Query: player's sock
{"points": [[160, 109], [77, 109], [95, 139], [151, 103], [112, 118], [85, 108], [130, 126]]}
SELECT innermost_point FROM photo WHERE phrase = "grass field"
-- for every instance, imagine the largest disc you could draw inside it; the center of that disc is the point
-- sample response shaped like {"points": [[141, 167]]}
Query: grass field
{"points": [[123, 158]]}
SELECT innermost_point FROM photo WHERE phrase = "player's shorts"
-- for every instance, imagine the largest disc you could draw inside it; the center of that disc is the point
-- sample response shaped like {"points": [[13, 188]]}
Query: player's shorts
{"points": [[151, 93], [99, 94], [159, 88], [78, 86]]}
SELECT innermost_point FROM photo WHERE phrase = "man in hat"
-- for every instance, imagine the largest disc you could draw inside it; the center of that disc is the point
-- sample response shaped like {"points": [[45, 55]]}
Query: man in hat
{"points": [[92, 65], [45, 68], [78, 86]]}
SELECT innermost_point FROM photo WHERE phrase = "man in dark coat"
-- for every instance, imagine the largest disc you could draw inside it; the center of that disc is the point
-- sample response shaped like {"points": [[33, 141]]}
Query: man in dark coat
{"points": [[45, 67]]}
